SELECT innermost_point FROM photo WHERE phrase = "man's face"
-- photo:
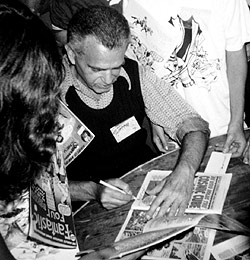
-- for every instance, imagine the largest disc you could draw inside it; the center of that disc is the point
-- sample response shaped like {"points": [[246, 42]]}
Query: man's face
{"points": [[99, 67]]}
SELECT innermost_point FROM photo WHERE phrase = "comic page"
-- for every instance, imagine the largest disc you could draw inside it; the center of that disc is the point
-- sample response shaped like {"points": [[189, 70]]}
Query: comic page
{"points": [[139, 233]]}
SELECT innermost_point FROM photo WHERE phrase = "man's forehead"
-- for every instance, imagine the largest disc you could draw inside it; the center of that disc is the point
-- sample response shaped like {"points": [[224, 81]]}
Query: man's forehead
{"points": [[98, 56]]}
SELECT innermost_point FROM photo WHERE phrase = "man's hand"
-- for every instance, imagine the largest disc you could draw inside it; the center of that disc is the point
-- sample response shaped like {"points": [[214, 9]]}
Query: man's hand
{"points": [[235, 142], [173, 194], [110, 198], [246, 154]]}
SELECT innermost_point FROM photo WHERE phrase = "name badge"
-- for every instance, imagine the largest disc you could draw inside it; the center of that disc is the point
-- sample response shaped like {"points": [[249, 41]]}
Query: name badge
{"points": [[125, 129]]}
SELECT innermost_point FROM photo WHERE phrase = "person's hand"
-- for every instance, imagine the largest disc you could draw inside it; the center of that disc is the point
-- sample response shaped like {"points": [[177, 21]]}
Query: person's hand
{"points": [[159, 138], [248, 49], [106, 253], [173, 194], [235, 142], [110, 198], [246, 154]]}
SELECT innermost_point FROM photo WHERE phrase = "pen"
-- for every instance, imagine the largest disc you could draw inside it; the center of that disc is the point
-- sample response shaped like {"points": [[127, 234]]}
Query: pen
{"points": [[85, 252], [114, 188]]}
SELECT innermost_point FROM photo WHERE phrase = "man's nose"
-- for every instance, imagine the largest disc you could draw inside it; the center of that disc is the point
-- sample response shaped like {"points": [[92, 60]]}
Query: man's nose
{"points": [[108, 77]]}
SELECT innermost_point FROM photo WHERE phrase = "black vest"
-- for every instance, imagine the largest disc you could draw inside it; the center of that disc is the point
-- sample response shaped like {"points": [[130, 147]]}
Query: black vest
{"points": [[105, 158]]}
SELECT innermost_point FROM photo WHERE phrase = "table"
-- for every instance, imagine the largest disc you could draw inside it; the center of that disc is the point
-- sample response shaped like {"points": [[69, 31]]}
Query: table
{"points": [[97, 227]]}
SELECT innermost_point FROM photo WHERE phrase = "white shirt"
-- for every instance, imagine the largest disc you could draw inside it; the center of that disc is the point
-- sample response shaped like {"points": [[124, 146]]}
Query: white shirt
{"points": [[195, 66]]}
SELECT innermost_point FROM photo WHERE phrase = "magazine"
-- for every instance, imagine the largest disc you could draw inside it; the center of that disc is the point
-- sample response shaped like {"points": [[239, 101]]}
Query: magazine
{"points": [[51, 229], [208, 195], [14, 228], [50, 207], [73, 136]]}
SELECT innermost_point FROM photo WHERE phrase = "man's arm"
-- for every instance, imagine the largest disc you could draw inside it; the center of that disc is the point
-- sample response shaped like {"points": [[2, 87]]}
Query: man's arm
{"points": [[166, 108], [174, 193], [237, 73], [108, 198]]}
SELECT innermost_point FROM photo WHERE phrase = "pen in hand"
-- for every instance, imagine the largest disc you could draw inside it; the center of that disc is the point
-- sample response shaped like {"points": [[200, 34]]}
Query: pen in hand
{"points": [[114, 188]]}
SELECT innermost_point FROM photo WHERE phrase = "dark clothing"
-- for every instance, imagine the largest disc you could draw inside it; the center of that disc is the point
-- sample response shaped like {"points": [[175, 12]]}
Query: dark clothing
{"points": [[105, 157], [62, 10]]}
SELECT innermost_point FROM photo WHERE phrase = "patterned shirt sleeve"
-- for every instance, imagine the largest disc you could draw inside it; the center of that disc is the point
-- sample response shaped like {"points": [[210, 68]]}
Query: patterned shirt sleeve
{"points": [[166, 108]]}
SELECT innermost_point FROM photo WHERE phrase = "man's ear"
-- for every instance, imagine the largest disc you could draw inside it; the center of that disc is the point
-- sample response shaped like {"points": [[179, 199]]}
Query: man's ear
{"points": [[70, 53]]}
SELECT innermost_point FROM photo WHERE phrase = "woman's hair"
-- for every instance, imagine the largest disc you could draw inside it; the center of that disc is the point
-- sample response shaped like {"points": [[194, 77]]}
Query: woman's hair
{"points": [[30, 74]]}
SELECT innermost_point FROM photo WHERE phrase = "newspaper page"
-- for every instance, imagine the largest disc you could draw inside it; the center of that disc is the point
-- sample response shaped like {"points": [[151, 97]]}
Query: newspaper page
{"points": [[208, 195], [50, 206], [74, 136], [139, 233]]}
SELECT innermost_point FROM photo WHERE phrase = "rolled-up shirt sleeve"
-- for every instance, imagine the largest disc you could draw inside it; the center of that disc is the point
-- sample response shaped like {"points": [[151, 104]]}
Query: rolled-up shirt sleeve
{"points": [[166, 108]]}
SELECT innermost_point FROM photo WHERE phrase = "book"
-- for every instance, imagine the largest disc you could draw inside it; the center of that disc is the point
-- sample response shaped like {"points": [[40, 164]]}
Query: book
{"points": [[208, 196], [51, 220], [74, 136]]}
